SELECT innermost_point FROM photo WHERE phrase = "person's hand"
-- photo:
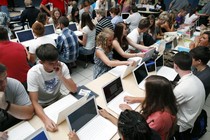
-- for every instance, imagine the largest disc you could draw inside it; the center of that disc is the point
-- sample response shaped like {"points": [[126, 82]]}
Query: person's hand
{"points": [[50, 125], [124, 107], [140, 55], [129, 99], [3, 135], [73, 136], [132, 63], [192, 45], [58, 69], [3, 103], [104, 113]]}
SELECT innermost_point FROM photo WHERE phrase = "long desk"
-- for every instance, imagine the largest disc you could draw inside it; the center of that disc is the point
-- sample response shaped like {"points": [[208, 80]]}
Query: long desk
{"points": [[96, 85]]}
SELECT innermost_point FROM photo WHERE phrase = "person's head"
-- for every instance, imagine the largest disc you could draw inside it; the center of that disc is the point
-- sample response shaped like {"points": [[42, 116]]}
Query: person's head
{"points": [[42, 17], [100, 13], [114, 11], [182, 12], [38, 29], [86, 6], [28, 3], [86, 20], [63, 22], [56, 13], [205, 39], [75, 14], [3, 34], [183, 61], [159, 95], [120, 31], [134, 9], [104, 39], [200, 55], [48, 55], [133, 126], [163, 17], [144, 24], [151, 20], [3, 77]]}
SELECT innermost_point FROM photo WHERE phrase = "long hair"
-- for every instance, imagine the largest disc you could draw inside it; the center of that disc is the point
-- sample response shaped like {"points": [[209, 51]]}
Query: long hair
{"points": [[86, 20], [55, 20], [159, 95], [152, 27], [118, 32]]}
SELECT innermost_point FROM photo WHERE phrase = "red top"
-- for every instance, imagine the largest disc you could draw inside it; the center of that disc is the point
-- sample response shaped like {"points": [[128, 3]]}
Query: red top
{"points": [[3, 2], [56, 3], [13, 56]]}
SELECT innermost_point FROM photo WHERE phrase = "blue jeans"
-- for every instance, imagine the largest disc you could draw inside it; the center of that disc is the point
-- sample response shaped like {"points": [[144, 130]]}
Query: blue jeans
{"points": [[84, 51]]}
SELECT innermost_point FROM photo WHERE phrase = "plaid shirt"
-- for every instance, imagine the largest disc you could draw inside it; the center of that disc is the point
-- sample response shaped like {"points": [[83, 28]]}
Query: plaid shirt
{"points": [[68, 46]]}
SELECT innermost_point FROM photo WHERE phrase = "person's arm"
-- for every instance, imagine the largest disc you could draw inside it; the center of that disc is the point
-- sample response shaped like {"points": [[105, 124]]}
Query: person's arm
{"points": [[137, 46], [132, 100], [84, 40], [171, 4], [108, 116], [112, 63], [167, 28], [73, 136], [49, 124], [45, 8], [4, 135]]}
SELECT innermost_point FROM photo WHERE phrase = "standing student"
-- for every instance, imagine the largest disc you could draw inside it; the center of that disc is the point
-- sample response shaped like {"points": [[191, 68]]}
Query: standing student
{"points": [[44, 82], [178, 4], [103, 54]]}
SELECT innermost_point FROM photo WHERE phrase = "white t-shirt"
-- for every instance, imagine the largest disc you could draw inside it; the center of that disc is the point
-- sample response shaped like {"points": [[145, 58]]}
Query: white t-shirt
{"points": [[190, 96], [135, 37], [90, 37], [46, 84], [133, 20]]}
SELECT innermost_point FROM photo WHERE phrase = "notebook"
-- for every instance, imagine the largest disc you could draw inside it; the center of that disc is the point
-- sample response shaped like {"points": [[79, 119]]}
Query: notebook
{"points": [[40, 134], [123, 70], [125, 15], [25, 37], [164, 71], [50, 31], [114, 95], [55, 110], [140, 74], [148, 55], [88, 124]]}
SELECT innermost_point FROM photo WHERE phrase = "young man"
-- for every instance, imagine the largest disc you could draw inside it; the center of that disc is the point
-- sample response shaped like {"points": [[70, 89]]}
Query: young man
{"points": [[190, 96], [44, 82], [15, 104]]}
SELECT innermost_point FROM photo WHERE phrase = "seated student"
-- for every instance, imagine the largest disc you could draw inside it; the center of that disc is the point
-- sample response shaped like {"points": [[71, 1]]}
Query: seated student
{"points": [[168, 25], [74, 16], [131, 126], [202, 40], [15, 104], [201, 56], [137, 34], [44, 82], [43, 18], [158, 106], [114, 12], [160, 5], [149, 37], [180, 17], [120, 44], [56, 14], [160, 21], [133, 19], [38, 30], [103, 55]]}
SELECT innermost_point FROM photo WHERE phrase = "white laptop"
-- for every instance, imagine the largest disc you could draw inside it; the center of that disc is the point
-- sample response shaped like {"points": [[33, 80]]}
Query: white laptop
{"points": [[25, 37], [20, 131], [161, 47], [59, 108], [148, 55], [114, 95], [164, 71], [124, 70], [73, 27], [88, 124], [50, 31], [140, 74], [40, 134]]}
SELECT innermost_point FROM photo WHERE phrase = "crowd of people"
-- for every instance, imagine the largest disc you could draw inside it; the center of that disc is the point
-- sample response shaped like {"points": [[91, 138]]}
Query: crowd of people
{"points": [[30, 79]]}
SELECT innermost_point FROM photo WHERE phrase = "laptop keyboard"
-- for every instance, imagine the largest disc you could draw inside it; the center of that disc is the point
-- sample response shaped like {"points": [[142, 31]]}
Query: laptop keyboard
{"points": [[117, 71]]}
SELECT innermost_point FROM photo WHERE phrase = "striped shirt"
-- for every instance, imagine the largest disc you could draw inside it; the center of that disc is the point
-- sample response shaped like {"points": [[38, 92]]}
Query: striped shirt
{"points": [[103, 23]]}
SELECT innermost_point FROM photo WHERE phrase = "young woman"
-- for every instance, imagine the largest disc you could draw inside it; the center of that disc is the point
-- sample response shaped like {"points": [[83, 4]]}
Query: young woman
{"points": [[202, 40], [89, 31], [74, 16], [168, 26], [103, 54], [121, 42], [56, 14], [42, 18]]}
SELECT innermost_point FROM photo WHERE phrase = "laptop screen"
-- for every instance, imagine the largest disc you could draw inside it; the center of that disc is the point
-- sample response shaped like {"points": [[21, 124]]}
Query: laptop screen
{"points": [[175, 42], [113, 89], [73, 27], [49, 29], [82, 115], [140, 73], [39, 134], [25, 35], [159, 62], [125, 15]]}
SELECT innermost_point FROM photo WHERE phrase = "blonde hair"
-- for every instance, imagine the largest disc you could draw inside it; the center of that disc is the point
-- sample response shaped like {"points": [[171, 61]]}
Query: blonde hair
{"points": [[164, 16]]}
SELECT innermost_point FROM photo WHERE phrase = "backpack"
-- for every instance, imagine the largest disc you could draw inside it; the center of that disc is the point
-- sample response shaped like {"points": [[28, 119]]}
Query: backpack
{"points": [[200, 125], [168, 58]]}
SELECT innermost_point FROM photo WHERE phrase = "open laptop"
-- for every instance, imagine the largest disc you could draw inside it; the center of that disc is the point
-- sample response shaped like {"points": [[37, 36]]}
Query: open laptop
{"points": [[125, 15], [164, 71], [50, 31], [25, 37], [114, 95], [161, 47], [88, 124], [73, 27], [148, 55], [124, 70], [140, 74], [40, 134]]}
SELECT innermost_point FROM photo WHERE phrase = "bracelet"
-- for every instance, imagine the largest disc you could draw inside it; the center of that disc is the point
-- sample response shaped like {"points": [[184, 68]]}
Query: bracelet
{"points": [[8, 106]]}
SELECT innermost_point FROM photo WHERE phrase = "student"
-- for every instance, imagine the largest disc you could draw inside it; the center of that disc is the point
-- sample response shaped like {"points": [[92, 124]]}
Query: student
{"points": [[38, 30], [126, 6], [137, 34], [103, 54], [120, 44], [85, 8], [44, 82], [160, 5], [178, 4], [56, 14], [131, 126], [201, 56], [168, 25], [190, 96], [43, 18], [158, 106], [74, 16], [202, 40], [160, 21], [102, 5], [15, 104], [114, 12]]}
